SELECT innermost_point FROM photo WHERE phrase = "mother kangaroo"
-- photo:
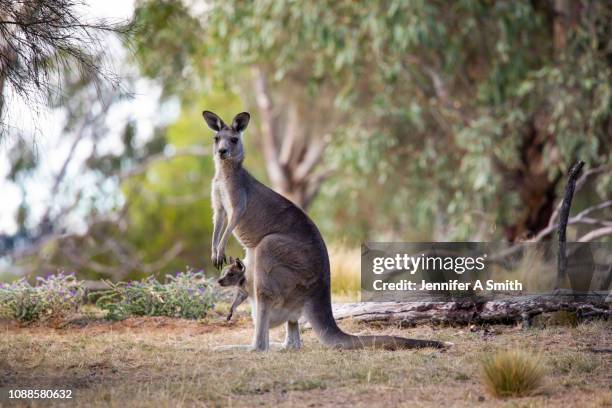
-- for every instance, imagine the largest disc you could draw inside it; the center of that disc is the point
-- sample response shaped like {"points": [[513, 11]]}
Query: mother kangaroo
{"points": [[286, 259]]}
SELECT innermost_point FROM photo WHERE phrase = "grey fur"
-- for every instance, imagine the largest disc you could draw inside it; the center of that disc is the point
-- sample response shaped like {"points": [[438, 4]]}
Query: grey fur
{"points": [[287, 265]]}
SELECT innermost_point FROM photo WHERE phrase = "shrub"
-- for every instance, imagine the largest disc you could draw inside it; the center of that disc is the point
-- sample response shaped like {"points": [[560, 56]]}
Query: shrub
{"points": [[187, 294], [53, 297], [512, 373]]}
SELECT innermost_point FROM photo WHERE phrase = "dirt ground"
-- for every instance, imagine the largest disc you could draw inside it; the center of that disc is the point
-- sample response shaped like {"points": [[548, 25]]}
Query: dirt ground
{"points": [[155, 361]]}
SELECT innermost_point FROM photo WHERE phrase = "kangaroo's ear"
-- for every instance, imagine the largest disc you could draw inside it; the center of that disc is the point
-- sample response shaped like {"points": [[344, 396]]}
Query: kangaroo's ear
{"points": [[213, 121], [241, 121], [240, 265], [231, 260]]}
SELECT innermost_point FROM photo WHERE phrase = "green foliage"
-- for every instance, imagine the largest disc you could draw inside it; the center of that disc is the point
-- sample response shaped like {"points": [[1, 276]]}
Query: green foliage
{"points": [[440, 111], [457, 132], [512, 373], [187, 294], [53, 297], [167, 28]]}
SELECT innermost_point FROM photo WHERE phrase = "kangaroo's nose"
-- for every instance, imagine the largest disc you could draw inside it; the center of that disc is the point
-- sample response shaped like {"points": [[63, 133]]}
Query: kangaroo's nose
{"points": [[222, 151]]}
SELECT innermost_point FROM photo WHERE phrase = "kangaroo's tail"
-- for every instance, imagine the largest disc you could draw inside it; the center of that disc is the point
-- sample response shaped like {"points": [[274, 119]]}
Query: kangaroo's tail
{"points": [[319, 314]]}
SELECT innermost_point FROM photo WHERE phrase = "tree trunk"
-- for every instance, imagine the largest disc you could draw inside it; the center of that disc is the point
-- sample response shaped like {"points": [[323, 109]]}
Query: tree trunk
{"points": [[536, 190], [291, 149]]}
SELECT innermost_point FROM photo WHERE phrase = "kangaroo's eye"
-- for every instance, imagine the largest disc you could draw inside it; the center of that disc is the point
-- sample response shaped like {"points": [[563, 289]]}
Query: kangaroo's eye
{"points": [[234, 140], [216, 139]]}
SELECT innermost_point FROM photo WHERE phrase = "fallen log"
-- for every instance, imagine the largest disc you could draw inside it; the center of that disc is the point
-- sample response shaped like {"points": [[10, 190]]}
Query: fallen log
{"points": [[466, 311]]}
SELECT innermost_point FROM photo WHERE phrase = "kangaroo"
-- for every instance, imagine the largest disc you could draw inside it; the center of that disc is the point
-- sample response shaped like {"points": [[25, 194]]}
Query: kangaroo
{"points": [[233, 275], [287, 265]]}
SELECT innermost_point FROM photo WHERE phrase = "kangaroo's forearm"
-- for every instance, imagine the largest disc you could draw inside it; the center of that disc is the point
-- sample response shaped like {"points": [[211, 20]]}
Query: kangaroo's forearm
{"points": [[233, 217], [218, 224], [233, 221], [241, 296]]}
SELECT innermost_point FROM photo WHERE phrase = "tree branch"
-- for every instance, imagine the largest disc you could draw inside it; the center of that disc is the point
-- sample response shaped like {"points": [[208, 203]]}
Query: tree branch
{"points": [[563, 218], [292, 130], [313, 187], [313, 156], [595, 234], [579, 184], [579, 218]]}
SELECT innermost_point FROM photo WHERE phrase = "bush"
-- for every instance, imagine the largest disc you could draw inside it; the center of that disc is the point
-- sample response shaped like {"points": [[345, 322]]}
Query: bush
{"points": [[512, 373], [53, 297], [187, 294]]}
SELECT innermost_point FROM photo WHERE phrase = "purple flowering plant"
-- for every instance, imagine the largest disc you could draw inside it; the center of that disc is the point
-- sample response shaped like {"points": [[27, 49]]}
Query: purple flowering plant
{"points": [[54, 296], [186, 294]]}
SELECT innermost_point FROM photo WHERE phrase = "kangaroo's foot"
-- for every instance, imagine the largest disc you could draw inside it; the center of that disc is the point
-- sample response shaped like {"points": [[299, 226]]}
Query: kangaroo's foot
{"points": [[228, 347], [247, 347], [278, 346], [291, 346], [261, 347], [273, 346]]}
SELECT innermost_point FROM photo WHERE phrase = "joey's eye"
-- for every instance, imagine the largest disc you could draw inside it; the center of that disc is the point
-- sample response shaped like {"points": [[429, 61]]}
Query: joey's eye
{"points": [[234, 140], [216, 139]]}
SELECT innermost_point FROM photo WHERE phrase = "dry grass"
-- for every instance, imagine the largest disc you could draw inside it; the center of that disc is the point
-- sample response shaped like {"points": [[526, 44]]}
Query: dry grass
{"points": [[162, 361], [512, 373], [533, 259], [345, 273]]}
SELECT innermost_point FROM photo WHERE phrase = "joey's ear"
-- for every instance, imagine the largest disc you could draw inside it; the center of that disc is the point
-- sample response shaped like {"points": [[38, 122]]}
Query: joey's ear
{"points": [[231, 260], [213, 121], [241, 121], [240, 265]]}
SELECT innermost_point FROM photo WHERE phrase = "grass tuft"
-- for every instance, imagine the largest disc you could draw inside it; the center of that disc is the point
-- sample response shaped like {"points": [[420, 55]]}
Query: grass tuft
{"points": [[574, 362], [512, 373]]}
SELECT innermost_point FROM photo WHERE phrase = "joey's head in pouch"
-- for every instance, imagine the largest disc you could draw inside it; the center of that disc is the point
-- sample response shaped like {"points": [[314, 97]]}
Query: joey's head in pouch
{"points": [[228, 139], [233, 274]]}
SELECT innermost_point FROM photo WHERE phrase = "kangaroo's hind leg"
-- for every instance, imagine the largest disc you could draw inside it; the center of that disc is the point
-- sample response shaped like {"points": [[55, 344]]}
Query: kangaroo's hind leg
{"points": [[261, 339], [292, 337], [261, 335]]}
